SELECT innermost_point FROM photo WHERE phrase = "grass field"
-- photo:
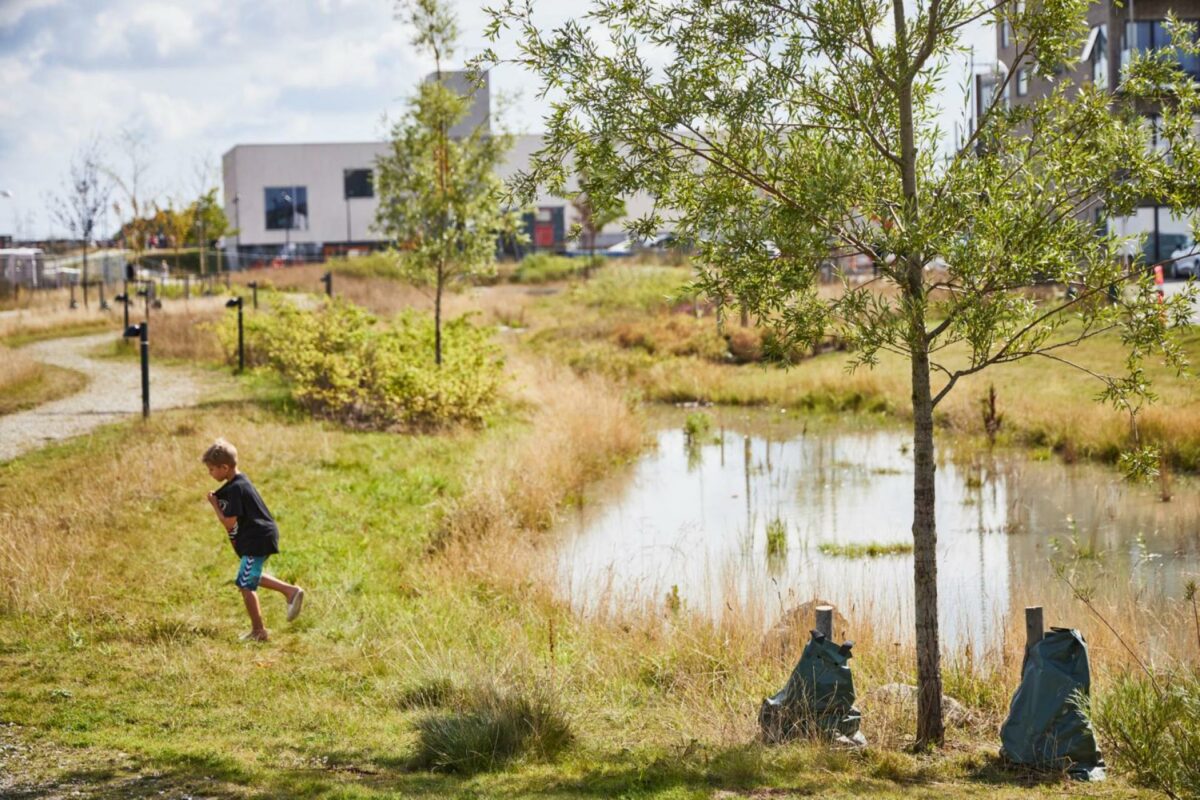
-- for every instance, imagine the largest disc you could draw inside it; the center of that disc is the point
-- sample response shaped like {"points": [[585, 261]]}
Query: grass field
{"points": [[435, 657], [427, 600]]}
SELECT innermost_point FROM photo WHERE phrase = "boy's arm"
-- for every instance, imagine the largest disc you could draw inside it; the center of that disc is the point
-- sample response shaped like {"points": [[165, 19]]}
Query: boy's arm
{"points": [[229, 523]]}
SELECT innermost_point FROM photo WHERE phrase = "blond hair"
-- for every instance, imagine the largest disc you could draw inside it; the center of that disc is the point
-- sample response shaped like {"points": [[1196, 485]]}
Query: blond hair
{"points": [[220, 453]]}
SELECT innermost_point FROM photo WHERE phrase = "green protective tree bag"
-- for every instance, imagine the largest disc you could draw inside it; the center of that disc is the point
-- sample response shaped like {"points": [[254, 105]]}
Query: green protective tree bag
{"points": [[818, 699], [1046, 727]]}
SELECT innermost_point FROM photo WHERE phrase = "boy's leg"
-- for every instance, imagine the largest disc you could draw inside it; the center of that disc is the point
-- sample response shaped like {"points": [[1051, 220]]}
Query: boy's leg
{"points": [[250, 597], [286, 589], [248, 577]]}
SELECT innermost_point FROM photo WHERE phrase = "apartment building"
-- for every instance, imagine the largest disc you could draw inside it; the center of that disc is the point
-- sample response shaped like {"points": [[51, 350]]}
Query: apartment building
{"points": [[1116, 32]]}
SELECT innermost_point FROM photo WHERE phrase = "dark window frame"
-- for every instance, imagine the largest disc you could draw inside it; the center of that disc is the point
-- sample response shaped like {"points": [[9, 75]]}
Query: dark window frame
{"points": [[276, 218], [353, 187]]}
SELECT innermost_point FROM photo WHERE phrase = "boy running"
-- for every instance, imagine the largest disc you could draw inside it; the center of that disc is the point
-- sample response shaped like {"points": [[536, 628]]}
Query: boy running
{"points": [[252, 532]]}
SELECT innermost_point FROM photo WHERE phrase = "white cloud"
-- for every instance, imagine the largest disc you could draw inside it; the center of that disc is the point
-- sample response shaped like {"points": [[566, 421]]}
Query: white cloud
{"points": [[201, 76], [13, 11]]}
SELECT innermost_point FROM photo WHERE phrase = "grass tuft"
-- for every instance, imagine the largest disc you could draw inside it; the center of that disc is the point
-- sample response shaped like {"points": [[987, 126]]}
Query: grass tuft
{"points": [[776, 537], [490, 727]]}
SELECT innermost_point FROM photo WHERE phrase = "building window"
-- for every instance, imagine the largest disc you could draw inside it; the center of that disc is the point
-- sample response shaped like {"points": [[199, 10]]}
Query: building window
{"points": [[1005, 34], [287, 208], [1147, 35], [359, 183], [1022, 82]]}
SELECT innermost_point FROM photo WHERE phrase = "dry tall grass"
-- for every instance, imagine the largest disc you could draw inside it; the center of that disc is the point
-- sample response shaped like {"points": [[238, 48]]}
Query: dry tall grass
{"points": [[578, 428], [63, 321], [185, 332], [16, 367], [388, 296]]}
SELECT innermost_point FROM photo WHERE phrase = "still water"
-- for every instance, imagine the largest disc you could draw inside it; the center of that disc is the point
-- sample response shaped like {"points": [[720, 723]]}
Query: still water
{"points": [[690, 520]]}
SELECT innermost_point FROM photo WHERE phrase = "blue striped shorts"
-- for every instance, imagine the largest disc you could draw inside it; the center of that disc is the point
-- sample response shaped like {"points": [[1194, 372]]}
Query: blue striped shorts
{"points": [[250, 571]]}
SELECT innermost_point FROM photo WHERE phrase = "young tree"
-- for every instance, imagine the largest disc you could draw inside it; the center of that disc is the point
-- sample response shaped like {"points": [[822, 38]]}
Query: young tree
{"points": [[136, 200], [783, 133], [178, 224], [81, 203], [210, 224], [439, 196], [592, 219]]}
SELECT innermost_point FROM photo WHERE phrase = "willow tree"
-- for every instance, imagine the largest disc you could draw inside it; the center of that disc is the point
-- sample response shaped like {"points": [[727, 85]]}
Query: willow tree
{"points": [[781, 132], [440, 194]]}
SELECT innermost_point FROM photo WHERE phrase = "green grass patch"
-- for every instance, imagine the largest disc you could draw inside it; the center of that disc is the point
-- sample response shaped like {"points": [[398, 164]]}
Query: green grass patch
{"points": [[868, 550]]}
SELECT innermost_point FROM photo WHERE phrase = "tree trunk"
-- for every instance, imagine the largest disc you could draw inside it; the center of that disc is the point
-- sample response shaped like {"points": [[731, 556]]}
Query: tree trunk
{"points": [[930, 730], [85, 275], [929, 675], [437, 319]]}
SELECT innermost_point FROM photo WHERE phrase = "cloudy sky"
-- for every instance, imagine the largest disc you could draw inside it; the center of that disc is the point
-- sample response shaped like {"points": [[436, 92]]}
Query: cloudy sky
{"points": [[199, 76]]}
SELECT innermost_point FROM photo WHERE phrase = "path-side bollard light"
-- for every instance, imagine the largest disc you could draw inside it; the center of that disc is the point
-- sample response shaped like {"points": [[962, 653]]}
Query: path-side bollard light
{"points": [[124, 300], [142, 332], [327, 279], [146, 292], [237, 303], [254, 288]]}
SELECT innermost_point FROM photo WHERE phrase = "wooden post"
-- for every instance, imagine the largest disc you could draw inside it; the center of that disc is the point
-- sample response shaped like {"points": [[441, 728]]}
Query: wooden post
{"points": [[825, 621], [1034, 629]]}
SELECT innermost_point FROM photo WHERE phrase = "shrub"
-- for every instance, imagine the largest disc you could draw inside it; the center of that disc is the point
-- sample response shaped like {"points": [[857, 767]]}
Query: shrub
{"points": [[745, 345], [1154, 735], [490, 727], [636, 287], [673, 334], [380, 264], [341, 364], [544, 268]]}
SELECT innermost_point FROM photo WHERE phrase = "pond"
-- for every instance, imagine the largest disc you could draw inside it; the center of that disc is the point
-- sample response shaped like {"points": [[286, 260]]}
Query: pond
{"points": [[753, 511]]}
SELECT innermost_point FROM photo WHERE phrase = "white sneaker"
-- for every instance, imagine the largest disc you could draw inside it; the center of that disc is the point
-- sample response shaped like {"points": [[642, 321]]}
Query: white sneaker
{"points": [[295, 604]]}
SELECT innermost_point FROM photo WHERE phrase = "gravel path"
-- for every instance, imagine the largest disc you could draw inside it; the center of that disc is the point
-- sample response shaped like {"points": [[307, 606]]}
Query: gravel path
{"points": [[113, 393]]}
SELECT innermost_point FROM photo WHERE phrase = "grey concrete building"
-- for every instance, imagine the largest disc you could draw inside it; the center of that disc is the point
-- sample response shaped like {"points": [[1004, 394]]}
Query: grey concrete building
{"points": [[310, 200], [1116, 32]]}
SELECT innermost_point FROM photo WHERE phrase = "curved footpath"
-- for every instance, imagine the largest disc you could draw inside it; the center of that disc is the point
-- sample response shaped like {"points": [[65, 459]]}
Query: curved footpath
{"points": [[113, 393]]}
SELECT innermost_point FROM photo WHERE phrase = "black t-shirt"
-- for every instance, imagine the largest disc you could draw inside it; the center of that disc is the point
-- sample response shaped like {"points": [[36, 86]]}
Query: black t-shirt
{"points": [[256, 532]]}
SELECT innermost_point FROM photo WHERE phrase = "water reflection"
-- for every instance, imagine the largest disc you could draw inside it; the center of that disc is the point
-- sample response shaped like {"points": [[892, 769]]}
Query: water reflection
{"points": [[695, 515]]}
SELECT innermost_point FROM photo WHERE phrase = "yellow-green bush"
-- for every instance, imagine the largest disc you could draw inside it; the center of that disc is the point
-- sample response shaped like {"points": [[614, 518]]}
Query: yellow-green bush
{"points": [[544, 268], [341, 363]]}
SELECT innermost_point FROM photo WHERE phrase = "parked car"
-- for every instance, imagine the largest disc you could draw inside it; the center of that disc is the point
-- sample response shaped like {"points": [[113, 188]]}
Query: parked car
{"points": [[1185, 261], [629, 246]]}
